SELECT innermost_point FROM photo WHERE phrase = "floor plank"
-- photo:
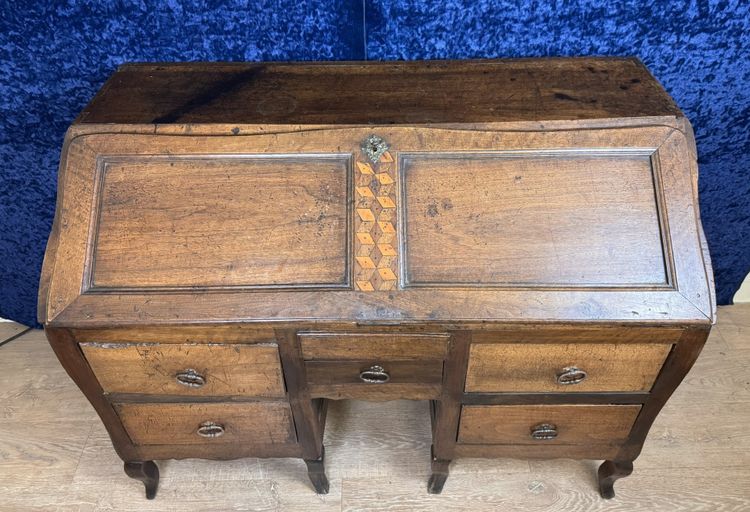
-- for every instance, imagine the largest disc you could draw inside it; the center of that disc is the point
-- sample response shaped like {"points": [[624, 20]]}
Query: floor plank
{"points": [[555, 487], [734, 326], [10, 329], [56, 455]]}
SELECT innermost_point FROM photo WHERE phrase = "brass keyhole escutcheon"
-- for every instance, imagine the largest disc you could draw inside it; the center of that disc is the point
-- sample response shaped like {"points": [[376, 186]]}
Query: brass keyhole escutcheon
{"points": [[374, 147]]}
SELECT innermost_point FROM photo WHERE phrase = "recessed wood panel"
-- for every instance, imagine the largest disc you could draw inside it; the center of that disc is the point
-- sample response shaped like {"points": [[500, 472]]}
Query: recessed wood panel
{"points": [[262, 423], [220, 221], [574, 424], [155, 368], [545, 219], [535, 367]]}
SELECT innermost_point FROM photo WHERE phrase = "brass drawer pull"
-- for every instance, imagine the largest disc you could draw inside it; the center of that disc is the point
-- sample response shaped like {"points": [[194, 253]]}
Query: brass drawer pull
{"points": [[544, 431], [375, 374], [190, 378], [210, 429], [571, 375]]}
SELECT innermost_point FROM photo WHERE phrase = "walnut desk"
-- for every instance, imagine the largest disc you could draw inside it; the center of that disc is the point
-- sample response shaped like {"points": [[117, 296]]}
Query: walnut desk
{"points": [[517, 242]]}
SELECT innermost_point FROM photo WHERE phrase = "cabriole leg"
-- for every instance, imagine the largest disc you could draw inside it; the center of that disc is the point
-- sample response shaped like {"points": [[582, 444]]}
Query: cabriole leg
{"points": [[609, 472], [147, 472], [439, 475], [317, 472]]}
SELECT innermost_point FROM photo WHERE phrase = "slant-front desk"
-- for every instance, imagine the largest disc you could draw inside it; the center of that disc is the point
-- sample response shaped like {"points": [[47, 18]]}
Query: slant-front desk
{"points": [[517, 242]]}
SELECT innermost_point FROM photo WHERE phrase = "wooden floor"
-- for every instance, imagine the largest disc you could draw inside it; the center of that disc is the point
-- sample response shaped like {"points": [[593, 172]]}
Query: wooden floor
{"points": [[55, 454]]}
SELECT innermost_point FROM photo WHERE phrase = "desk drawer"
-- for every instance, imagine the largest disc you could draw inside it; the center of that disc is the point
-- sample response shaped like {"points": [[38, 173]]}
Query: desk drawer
{"points": [[546, 424], [375, 380], [381, 366], [257, 423], [564, 368], [187, 369]]}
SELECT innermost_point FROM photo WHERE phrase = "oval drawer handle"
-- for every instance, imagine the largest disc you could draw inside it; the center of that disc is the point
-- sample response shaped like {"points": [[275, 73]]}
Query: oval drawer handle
{"points": [[571, 375], [190, 378], [375, 374], [544, 431], [210, 429]]}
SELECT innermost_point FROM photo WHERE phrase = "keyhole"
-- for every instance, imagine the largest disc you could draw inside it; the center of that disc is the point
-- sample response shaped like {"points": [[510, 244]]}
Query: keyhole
{"points": [[374, 147]]}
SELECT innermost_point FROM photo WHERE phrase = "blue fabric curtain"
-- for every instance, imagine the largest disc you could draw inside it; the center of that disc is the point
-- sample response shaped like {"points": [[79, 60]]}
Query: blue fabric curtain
{"points": [[54, 55]]}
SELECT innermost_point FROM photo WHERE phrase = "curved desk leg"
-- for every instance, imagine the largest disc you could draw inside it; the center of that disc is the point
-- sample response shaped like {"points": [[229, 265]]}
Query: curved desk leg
{"points": [[439, 475], [609, 472], [317, 472], [147, 472]]}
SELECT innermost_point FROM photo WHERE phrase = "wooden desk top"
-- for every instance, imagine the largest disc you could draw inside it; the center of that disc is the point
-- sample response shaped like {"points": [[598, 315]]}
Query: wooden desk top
{"points": [[347, 93]]}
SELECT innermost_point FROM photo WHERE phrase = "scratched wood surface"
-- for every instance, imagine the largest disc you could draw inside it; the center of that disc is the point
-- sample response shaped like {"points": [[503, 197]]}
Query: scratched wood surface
{"points": [[572, 219], [153, 368], [530, 367], [572, 424], [174, 424], [507, 291], [10, 329], [187, 221], [56, 455], [387, 93]]}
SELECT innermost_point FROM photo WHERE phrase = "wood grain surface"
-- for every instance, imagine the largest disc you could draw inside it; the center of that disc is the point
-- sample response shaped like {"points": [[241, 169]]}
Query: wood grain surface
{"points": [[174, 424], [236, 333], [408, 380], [545, 219], [152, 368], [529, 367], [631, 299], [220, 222], [392, 347], [575, 424], [360, 93], [56, 455], [556, 334], [572, 206], [10, 329]]}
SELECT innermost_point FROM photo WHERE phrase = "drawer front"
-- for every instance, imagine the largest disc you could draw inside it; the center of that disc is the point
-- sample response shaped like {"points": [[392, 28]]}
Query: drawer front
{"points": [[546, 424], [187, 369], [565, 368], [363, 347], [259, 423], [385, 380]]}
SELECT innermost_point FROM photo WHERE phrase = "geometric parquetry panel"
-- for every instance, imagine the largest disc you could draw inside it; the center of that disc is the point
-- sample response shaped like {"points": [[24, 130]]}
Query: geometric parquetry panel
{"points": [[375, 247]]}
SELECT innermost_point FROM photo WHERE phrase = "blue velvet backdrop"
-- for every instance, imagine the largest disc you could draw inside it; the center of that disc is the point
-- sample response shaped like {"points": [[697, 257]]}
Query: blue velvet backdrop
{"points": [[55, 55]]}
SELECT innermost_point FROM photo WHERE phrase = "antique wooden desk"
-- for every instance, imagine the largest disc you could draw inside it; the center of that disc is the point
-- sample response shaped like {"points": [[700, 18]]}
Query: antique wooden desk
{"points": [[517, 242]]}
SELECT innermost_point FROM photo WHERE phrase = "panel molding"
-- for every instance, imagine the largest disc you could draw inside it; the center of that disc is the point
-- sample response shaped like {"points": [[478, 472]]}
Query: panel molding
{"points": [[649, 153], [101, 168], [65, 302]]}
